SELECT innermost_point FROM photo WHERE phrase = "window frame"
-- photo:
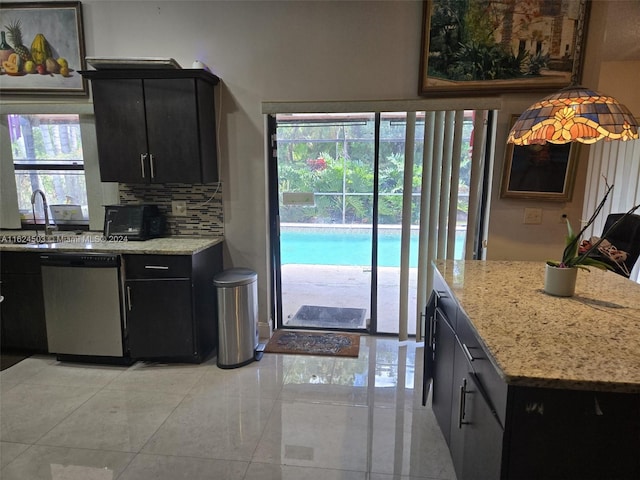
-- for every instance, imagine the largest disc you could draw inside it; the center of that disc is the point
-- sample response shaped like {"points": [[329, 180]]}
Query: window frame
{"points": [[98, 193], [44, 166]]}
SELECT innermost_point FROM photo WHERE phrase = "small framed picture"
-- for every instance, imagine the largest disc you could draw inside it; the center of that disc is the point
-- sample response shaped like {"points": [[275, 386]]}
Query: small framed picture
{"points": [[542, 172], [42, 49]]}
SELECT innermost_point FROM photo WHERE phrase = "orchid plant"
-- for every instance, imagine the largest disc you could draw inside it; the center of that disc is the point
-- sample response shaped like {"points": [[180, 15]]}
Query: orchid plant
{"points": [[571, 257]]}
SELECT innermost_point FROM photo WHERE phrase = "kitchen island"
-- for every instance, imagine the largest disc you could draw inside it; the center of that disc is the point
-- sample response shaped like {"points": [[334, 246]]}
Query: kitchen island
{"points": [[527, 385]]}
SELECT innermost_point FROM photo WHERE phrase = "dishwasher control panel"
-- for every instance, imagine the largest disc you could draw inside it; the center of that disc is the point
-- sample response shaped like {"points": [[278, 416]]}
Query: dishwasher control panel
{"points": [[90, 260]]}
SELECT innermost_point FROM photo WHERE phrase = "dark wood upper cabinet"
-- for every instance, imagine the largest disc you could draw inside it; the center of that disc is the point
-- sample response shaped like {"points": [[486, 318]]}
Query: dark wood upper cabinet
{"points": [[155, 126]]}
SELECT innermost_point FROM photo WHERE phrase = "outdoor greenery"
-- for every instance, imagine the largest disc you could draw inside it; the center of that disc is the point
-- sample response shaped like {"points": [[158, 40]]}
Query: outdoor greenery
{"points": [[39, 143], [335, 161]]}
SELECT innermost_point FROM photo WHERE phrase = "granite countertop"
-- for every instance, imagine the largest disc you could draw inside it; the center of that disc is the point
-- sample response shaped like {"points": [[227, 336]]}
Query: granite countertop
{"points": [[590, 341], [87, 242]]}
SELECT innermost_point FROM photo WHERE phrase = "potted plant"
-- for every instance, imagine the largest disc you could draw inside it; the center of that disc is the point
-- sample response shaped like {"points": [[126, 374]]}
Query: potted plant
{"points": [[560, 276]]}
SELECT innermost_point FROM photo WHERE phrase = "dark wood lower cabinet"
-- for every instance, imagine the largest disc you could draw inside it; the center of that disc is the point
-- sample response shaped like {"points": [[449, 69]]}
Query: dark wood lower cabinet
{"points": [[476, 436], [498, 431], [22, 310], [170, 304], [482, 434], [561, 434], [171, 307], [443, 372], [160, 318], [469, 422]]}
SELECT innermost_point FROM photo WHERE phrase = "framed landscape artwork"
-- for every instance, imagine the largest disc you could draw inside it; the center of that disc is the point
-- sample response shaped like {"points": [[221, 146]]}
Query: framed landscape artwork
{"points": [[487, 47], [542, 172], [42, 48]]}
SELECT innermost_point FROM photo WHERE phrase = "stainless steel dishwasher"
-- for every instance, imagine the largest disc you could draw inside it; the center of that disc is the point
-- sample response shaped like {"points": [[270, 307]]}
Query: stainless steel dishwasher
{"points": [[83, 305]]}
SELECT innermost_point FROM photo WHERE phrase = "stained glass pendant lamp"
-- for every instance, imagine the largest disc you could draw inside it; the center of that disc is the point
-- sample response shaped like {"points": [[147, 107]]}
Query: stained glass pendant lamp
{"points": [[574, 114]]}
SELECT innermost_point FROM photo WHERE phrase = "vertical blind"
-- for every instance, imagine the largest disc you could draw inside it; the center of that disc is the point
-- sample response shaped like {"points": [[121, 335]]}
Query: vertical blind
{"points": [[439, 200], [619, 164]]}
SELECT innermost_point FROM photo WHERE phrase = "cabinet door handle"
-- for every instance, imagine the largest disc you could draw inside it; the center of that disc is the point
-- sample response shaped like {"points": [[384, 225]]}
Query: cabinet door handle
{"points": [[462, 403], [143, 156], [156, 267], [151, 166], [129, 297], [467, 353]]}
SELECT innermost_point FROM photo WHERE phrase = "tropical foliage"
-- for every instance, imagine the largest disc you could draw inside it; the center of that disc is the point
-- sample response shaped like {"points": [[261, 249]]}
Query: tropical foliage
{"points": [[335, 162]]}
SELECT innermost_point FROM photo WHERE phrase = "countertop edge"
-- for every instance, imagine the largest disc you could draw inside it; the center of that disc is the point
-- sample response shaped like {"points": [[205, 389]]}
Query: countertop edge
{"points": [[563, 384], [517, 376], [83, 244]]}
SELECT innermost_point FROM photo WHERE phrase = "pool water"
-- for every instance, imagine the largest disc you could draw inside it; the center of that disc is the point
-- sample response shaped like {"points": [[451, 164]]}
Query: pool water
{"points": [[348, 247]]}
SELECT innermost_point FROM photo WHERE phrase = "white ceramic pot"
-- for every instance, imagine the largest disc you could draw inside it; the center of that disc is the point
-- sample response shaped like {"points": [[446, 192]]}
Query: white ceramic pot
{"points": [[560, 282]]}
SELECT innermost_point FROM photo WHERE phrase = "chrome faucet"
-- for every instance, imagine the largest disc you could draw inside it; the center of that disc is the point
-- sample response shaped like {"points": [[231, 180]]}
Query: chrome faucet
{"points": [[48, 229]]}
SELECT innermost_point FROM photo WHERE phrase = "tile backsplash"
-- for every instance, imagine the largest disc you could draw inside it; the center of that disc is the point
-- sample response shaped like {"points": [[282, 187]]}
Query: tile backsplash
{"points": [[204, 205]]}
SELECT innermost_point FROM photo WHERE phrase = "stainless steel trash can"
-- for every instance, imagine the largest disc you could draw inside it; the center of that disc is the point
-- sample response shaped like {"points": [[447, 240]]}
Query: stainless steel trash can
{"points": [[237, 292]]}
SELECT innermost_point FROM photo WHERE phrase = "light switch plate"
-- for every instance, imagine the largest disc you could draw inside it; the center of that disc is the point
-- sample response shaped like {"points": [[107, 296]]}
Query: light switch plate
{"points": [[532, 216], [179, 208]]}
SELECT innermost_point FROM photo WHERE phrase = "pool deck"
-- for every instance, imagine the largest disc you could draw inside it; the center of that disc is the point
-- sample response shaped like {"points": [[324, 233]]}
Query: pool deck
{"points": [[348, 287]]}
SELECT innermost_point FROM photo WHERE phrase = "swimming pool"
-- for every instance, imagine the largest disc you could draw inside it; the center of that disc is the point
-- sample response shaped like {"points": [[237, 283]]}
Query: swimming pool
{"points": [[346, 246]]}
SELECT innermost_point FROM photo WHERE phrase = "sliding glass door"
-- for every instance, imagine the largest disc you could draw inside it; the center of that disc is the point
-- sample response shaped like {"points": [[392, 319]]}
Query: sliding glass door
{"points": [[326, 166], [339, 188]]}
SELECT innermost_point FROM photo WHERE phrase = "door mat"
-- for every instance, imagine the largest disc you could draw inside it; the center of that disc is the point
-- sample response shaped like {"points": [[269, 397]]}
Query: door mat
{"points": [[10, 359], [328, 317], [314, 343]]}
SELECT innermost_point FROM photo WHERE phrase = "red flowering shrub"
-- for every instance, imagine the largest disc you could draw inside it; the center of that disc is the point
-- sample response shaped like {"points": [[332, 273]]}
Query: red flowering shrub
{"points": [[317, 164]]}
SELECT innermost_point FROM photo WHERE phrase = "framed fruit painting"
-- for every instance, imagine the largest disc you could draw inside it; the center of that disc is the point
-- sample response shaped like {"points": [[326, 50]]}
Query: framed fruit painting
{"points": [[42, 49]]}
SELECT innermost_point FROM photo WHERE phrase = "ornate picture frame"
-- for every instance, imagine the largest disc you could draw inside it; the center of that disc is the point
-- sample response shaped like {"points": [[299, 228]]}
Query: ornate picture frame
{"points": [[47, 40], [492, 47], [542, 172]]}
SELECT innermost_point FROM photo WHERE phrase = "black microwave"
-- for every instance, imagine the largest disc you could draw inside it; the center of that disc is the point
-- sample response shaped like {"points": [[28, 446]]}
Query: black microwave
{"points": [[133, 222]]}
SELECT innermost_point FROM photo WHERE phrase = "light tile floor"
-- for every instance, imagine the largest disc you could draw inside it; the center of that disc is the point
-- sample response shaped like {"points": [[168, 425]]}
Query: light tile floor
{"points": [[292, 417]]}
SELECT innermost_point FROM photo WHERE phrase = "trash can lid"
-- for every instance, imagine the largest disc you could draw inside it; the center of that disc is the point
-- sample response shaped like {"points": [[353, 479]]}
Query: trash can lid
{"points": [[235, 277]]}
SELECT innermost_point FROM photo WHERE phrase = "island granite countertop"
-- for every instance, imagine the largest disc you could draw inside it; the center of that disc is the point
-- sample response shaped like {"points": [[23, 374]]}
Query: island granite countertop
{"points": [[94, 242], [590, 341]]}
